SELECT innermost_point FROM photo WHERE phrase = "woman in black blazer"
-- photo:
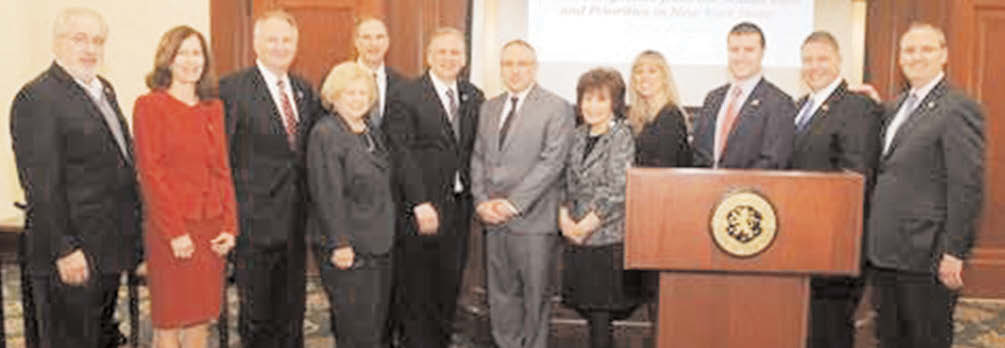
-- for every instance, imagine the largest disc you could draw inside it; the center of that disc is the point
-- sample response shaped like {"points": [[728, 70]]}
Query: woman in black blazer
{"points": [[352, 217], [655, 115]]}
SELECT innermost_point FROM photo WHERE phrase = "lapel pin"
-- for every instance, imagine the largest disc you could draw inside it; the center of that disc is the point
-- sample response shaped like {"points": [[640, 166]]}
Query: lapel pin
{"points": [[756, 102], [464, 97], [825, 107], [931, 104], [300, 95]]}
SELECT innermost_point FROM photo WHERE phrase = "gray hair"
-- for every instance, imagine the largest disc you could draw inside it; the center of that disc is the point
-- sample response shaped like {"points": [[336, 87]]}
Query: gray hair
{"points": [[63, 19], [277, 14]]}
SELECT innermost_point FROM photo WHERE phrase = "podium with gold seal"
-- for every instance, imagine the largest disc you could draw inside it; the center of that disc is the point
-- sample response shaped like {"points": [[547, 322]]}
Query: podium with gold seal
{"points": [[736, 249]]}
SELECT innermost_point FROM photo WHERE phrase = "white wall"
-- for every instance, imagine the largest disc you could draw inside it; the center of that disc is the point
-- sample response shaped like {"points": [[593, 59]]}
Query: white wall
{"points": [[135, 27], [503, 20]]}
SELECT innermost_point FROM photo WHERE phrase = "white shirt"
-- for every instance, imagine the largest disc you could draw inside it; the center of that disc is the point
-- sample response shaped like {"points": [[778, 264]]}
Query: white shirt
{"points": [[381, 76], [816, 99], [903, 113], [270, 81], [746, 86], [441, 91], [507, 105]]}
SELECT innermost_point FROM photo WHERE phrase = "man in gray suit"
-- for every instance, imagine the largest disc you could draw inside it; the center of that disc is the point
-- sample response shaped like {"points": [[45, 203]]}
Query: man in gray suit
{"points": [[928, 195], [516, 164]]}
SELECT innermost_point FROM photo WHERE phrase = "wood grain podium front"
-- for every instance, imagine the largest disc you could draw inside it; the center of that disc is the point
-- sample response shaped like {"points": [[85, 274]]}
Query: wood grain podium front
{"points": [[721, 294]]}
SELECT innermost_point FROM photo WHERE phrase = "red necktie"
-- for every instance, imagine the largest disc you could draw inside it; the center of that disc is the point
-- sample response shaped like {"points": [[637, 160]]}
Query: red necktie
{"points": [[288, 117], [727, 122]]}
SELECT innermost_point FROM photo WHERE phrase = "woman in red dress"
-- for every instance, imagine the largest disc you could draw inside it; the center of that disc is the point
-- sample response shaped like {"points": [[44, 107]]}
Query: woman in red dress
{"points": [[190, 222]]}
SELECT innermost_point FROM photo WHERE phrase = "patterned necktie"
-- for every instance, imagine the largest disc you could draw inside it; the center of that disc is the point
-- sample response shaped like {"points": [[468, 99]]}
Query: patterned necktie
{"points": [[508, 121], [804, 117], [727, 122], [452, 113], [376, 113], [289, 119]]}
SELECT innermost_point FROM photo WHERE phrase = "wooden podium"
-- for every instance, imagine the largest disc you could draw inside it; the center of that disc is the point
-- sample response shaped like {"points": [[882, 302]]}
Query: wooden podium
{"points": [[709, 297]]}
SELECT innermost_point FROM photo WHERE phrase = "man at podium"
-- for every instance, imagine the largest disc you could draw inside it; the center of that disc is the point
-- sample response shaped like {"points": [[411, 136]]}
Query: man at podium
{"points": [[835, 130]]}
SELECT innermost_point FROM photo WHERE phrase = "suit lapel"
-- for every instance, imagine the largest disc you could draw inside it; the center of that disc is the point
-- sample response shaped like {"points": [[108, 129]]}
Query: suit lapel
{"points": [[751, 105], [95, 113], [430, 94], [917, 115], [517, 121], [266, 105], [819, 118], [494, 108], [715, 103]]}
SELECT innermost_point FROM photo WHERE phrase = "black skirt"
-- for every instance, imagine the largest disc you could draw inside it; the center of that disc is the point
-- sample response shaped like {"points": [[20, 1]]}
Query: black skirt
{"points": [[594, 278]]}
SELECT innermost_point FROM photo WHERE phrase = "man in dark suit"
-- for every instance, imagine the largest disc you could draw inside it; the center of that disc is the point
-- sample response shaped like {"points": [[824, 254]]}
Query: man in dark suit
{"points": [[927, 198], [835, 130], [370, 39], [519, 154], [431, 127], [268, 115], [748, 122], [74, 161]]}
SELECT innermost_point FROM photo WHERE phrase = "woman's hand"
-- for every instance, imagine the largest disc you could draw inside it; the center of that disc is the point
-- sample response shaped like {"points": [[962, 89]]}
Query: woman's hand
{"points": [[223, 243], [182, 246], [343, 257], [570, 230]]}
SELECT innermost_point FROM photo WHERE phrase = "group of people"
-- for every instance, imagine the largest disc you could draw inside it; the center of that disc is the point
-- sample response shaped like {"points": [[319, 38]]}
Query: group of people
{"points": [[382, 176]]}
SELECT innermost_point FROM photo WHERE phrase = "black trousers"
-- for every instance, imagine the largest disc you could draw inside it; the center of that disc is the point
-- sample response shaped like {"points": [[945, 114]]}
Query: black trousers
{"points": [[361, 296], [75, 316], [428, 271], [832, 309], [915, 310], [272, 288]]}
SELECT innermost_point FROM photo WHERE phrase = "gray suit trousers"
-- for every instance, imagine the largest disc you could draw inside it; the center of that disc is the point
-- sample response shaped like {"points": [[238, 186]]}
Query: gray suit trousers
{"points": [[519, 276]]}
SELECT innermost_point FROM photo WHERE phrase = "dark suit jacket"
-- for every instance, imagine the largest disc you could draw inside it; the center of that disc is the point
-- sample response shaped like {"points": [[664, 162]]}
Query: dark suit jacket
{"points": [[394, 81], [843, 134], [422, 140], [929, 185], [762, 134], [81, 190], [268, 174], [350, 187]]}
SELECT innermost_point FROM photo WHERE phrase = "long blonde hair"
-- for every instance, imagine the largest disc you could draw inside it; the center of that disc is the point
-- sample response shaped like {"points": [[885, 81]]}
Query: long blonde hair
{"points": [[641, 111]]}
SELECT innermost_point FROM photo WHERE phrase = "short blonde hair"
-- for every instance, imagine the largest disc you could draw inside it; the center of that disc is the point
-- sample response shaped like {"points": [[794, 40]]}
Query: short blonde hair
{"points": [[339, 79]]}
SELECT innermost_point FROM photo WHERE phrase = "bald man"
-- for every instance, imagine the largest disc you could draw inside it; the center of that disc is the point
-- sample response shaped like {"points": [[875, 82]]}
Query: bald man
{"points": [[74, 160]]}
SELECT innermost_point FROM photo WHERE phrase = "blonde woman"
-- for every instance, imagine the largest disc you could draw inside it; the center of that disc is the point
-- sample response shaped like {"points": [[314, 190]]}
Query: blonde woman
{"points": [[655, 115], [352, 221]]}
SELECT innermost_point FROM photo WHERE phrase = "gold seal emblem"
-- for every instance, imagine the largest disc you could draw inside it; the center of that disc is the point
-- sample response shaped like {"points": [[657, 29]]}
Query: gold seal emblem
{"points": [[744, 223]]}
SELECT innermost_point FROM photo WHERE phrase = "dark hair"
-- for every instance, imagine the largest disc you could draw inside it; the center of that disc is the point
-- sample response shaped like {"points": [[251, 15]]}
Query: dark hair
{"points": [[160, 77], [822, 36], [747, 28], [606, 79]]}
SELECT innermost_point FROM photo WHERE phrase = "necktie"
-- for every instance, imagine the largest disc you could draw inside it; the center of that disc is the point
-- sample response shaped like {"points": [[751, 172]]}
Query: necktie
{"points": [[113, 123], [727, 122], [905, 112], [289, 119], [376, 113], [508, 121], [452, 113], [804, 116]]}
